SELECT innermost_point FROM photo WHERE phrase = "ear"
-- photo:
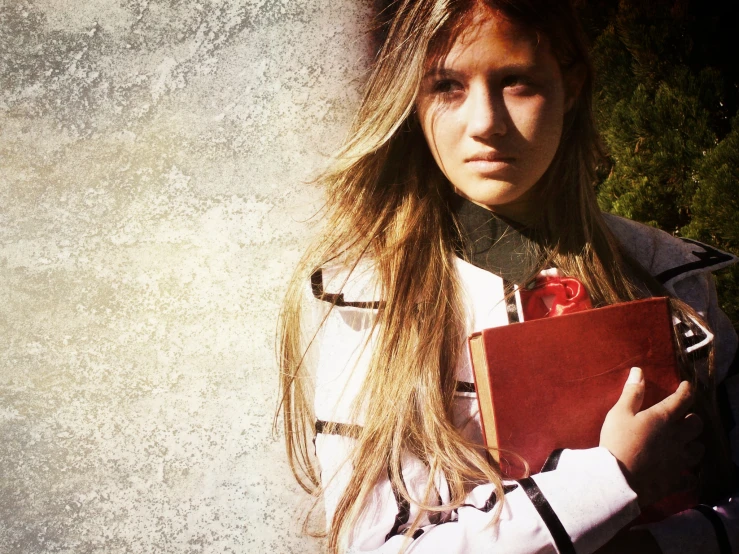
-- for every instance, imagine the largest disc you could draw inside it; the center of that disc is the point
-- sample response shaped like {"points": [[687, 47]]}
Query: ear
{"points": [[574, 79]]}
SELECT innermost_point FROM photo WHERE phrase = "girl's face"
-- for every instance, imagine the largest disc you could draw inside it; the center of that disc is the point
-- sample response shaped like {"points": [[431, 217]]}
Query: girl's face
{"points": [[492, 113]]}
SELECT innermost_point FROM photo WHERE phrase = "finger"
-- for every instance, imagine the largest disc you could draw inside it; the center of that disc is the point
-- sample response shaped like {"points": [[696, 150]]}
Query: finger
{"points": [[675, 406], [693, 453], [632, 395], [691, 427]]}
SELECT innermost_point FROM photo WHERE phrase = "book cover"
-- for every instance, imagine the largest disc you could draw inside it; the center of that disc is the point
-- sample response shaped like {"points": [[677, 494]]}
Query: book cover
{"points": [[549, 383]]}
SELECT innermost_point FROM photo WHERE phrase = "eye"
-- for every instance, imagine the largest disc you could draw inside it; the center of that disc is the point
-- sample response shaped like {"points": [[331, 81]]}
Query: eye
{"points": [[518, 82], [446, 86]]}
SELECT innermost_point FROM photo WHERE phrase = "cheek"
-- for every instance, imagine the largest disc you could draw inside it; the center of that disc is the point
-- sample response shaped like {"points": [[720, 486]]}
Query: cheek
{"points": [[436, 131], [551, 135], [535, 119]]}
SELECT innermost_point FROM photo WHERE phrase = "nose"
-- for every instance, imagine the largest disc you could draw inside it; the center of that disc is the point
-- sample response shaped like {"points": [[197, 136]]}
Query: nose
{"points": [[486, 113]]}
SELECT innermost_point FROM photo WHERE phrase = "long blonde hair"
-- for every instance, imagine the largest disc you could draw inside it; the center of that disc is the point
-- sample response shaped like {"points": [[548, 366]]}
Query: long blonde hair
{"points": [[387, 201]]}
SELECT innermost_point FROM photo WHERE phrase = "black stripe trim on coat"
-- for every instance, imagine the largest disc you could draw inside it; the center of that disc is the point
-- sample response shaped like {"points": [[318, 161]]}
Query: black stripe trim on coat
{"points": [[404, 508], [710, 256], [722, 539], [697, 335], [493, 498], [690, 335], [692, 340], [559, 534], [552, 461], [342, 429], [316, 285], [511, 307], [491, 501], [464, 386], [699, 354]]}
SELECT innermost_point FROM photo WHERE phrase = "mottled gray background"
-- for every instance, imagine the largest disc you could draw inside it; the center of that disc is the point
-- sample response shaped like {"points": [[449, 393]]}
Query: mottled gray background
{"points": [[151, 210]]}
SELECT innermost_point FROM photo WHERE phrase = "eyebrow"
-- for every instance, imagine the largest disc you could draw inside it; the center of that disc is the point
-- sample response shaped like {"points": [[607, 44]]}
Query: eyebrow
{"points": [[442, 73], [450, 73]]}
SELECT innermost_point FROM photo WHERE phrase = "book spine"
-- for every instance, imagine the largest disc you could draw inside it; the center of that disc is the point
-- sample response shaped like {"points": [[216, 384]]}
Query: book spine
{"points": [[483, 387]]}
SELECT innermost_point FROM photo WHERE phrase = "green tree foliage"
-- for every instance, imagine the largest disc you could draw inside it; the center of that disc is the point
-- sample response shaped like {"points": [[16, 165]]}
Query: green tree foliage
{"points": [[666, 96], [715, 210]]}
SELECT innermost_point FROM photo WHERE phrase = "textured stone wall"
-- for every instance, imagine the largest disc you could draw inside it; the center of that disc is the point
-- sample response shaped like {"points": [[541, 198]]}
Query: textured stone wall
{"points": [[152, 155]]}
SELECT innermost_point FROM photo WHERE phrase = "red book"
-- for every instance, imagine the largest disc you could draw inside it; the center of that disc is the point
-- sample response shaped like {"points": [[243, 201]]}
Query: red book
{"points": [[549, 383]]}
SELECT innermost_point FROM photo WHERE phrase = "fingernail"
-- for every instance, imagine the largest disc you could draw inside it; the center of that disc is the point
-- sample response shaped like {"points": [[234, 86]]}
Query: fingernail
{"points": [[635, 376]]}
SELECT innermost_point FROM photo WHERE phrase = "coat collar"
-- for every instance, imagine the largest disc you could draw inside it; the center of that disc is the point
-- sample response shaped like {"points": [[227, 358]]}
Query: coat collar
{"points": [[669, 259], [495, 244]]}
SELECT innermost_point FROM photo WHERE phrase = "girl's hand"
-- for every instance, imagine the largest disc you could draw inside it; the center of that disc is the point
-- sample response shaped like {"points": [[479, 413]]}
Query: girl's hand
{"points": [[655, 447]]}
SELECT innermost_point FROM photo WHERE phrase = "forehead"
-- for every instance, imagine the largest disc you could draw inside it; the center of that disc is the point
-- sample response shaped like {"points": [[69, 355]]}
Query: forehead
{"points": [[484, 34]]}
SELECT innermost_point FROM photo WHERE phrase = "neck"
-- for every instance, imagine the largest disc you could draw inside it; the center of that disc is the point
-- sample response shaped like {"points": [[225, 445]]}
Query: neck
{"points": [[520, 213]]}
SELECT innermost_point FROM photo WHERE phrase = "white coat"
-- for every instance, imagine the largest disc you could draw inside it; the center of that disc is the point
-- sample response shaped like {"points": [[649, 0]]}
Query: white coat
{"points": [[576, 507]]}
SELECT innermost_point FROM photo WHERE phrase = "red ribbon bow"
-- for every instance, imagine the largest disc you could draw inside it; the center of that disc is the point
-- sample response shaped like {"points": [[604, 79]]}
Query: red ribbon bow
{"points": [[553, 296]]}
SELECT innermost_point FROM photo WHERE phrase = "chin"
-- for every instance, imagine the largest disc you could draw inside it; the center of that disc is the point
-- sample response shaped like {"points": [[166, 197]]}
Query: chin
{"points": [[493, 195]]}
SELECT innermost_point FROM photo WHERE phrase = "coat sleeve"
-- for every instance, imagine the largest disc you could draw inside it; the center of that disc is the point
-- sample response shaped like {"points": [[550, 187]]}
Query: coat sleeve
{"points": [[709, 529], [576, 507]]}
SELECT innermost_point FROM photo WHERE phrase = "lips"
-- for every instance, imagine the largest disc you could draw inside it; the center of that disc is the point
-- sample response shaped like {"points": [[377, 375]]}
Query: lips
{"points": [[490, 164], [489, 157]]}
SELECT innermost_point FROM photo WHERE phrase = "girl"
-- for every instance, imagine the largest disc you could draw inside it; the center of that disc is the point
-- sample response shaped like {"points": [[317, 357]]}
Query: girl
{"points": [[470, 168]]}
